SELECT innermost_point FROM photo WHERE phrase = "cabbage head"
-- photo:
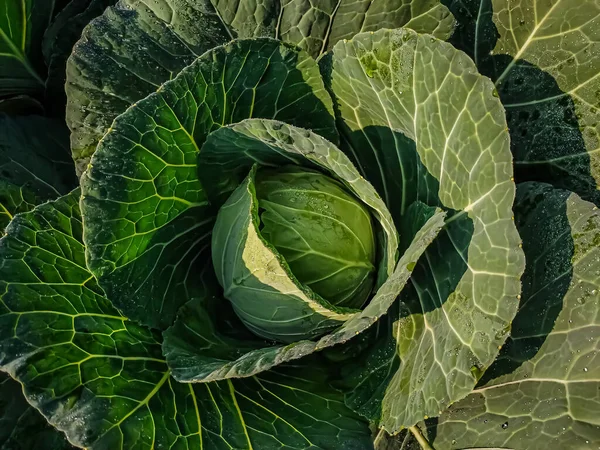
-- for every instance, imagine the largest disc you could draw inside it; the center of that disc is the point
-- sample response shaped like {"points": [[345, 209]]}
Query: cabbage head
{"points": [[300, 225]]}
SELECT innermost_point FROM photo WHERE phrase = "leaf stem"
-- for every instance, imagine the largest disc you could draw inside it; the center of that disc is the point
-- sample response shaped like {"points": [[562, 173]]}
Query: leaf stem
{"points": [[420, 438], [378, 437]]}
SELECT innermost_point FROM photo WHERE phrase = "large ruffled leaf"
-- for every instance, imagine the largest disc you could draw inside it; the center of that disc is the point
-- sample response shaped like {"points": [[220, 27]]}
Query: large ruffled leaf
{"points": [[148, 221], [59, 39], [107, 73], [35, 165], [200, 347], [544, 57], [317, 26], [422, 124], [102, 380], [22, 25], [542, 392]]}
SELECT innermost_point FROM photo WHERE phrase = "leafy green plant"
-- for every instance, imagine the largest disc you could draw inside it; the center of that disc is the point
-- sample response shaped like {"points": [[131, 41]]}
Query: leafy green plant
{"points": [[300, 226]]}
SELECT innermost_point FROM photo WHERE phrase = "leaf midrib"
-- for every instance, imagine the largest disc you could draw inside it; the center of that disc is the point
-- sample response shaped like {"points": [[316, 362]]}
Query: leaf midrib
{"points": [[20, 55], [526, 44]]}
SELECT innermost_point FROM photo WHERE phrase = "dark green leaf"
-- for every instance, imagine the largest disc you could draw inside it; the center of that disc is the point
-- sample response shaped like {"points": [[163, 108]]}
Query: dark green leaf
{"points": [[35, 165], [422, 124], [107, 73], [542, 391], [148, 221], [22, 25], [544, 57], [21, 426], [102, 380], [59, 39], [21, 105]]}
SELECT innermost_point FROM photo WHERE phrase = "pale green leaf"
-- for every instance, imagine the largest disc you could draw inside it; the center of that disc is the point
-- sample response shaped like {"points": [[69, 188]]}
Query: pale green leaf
{"points": [[422, 124], [317, 26], [259, 283], [544, 57], [542, 391]]}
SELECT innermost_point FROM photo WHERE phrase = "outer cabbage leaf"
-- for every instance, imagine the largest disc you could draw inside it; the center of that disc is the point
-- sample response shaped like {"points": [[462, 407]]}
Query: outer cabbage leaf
{"points": [[106, 73], [102, 380], [22, 25], [32, 171], [147, 218], [317, 26], [365, 380], [21, 426], [544, 57], [417, 119], [35, 165], [59, 39], [543, 391]]}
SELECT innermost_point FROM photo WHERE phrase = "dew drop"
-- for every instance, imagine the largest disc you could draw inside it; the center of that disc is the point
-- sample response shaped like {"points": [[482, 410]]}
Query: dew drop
{"points": [[505, 425]]}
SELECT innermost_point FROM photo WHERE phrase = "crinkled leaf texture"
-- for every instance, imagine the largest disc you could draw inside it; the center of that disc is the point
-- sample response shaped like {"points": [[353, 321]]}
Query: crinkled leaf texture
{"points": [[107, 73], [422, 125], [147, 217], [102, 379], [544, 57], [198, 346], [542, 391]]}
